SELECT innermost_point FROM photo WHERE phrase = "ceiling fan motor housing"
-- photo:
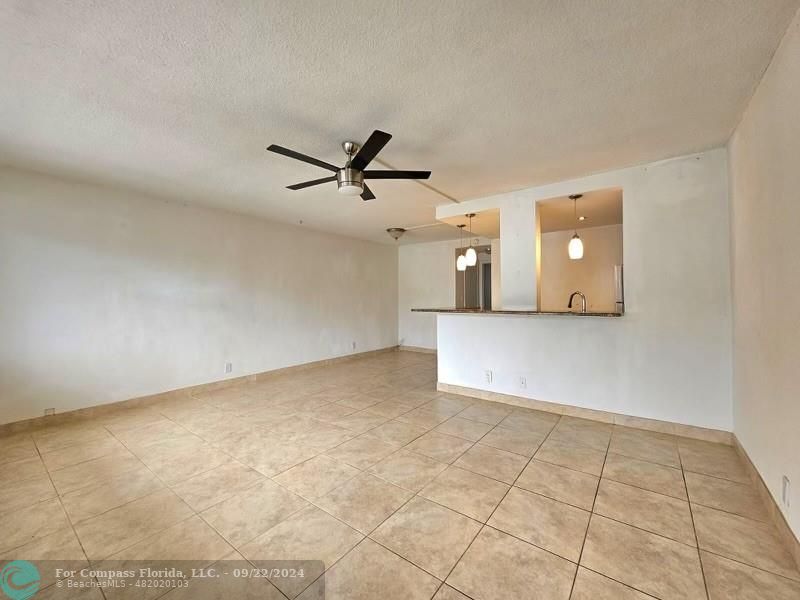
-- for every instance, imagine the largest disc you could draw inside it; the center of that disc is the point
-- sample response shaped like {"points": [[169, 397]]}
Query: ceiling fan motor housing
{"points": [[350, 181]]}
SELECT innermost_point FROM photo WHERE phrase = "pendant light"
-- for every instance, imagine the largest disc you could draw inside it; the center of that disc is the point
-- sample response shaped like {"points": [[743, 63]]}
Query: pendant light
{"points": [[461, 261], [575, 248], [471, 255]]}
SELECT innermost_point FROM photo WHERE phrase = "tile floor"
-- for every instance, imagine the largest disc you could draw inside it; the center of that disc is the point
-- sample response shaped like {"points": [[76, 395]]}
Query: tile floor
{"points": [[401, 491]]}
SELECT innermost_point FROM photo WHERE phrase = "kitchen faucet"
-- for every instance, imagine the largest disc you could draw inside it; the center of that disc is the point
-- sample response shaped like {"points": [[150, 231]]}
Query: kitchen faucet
{"points": [[583, 300]]}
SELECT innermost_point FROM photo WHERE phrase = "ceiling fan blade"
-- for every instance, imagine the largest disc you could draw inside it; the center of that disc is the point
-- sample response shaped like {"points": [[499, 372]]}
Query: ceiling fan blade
{"points": [[303, 157], [379, 174], [370, 149], [367, 194], [305, 184]]}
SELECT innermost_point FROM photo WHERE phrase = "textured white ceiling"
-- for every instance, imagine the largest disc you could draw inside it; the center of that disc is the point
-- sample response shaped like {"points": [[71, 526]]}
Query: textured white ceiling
{"points": [[179, 98]]}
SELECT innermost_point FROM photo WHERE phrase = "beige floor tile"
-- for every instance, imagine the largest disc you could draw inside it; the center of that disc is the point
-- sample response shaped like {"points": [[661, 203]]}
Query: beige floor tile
{"points": [[593, 586], [554, 526], [220, 483], [422, 417], [110, 532], [728, 579], [559, 483], [11, 473], [94, 472], [331, 412], [653, 564], [174, 461], [311, 540], [251, 512], [191, 539], [449, 404], [517, 441], [444, 448], [370, 571], [71, 455], [396, 433], [316, 477], [490, 413], [498, 566], [646, 475], [537, 422], [491, 462], [715, 460], [648, 448], [61, 547], [466, 492], [751, 542], [429, 535], [360, 401], [361, 421], [407, 469], [390, 408], [579, 458], [24, 525], [447, 593], [322, 437], [277, 457], [154, 433], [17, 447], [364, 502], [26, 492], [739, 498], [464, 428], [363, 451], [68, 434], [646, 510], [91, 501], [581, 432], [230, 586]]}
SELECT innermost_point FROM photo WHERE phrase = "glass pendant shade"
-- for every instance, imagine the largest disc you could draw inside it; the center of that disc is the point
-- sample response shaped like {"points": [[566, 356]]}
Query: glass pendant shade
{"points": [[575, 248], [461, 263], [471, 257]]}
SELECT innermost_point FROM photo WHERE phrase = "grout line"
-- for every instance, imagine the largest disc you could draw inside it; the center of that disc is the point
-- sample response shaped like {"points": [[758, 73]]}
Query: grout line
{"points": [[694, 529], [591, 514], [66, 514]]}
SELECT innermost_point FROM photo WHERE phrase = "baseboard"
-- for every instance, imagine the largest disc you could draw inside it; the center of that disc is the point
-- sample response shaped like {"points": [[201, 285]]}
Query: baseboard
{"points": [[417, 349], [139, 401], [690, 431], [785, 532]]}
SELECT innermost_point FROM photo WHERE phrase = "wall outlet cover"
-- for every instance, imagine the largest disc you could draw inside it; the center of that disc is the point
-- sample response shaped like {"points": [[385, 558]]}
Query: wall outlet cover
{"points": [[49, 411], [785, 489], [228, 367], [488, 376]]}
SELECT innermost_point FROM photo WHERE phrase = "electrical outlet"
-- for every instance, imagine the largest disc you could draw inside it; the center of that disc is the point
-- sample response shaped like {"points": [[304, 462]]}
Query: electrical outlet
{"points": [[488, 375], [354, 345], [523, 382], [49, 411], [785, 489], [228, 367]]}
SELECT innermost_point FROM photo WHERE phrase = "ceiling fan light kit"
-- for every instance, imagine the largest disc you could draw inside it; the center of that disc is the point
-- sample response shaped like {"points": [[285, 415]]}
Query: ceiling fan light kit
{"points": [[350, 178]]}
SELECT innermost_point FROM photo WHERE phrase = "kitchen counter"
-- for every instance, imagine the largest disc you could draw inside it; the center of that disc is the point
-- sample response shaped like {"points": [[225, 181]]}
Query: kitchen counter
{"points": [[480, 311]]}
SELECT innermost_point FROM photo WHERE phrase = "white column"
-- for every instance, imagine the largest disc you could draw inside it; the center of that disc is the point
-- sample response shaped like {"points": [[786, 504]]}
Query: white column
{"points": [[518, 256]]}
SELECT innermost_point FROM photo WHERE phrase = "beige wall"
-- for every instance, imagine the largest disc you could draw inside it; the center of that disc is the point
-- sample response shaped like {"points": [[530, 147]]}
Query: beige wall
{"points": [[593, 274], [107, 295], [765, 189]]}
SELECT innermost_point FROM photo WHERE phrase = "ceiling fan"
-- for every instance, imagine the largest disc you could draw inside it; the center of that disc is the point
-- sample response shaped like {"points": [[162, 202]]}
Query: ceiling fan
{"points": [[350, 178]]}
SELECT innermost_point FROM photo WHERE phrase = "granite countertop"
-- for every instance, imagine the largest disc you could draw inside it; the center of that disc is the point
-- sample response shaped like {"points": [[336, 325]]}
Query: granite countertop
{"points": [[480, 311]]}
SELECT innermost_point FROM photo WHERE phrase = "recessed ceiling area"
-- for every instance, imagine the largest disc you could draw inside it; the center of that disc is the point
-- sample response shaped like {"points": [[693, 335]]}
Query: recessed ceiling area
{"points": [[180, 99], [599, 208], [484, 224]]}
